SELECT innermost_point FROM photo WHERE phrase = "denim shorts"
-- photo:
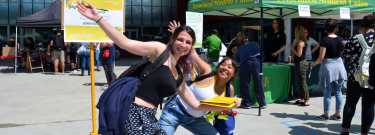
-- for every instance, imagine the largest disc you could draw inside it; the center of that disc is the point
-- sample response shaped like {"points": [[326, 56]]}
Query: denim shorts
{"points": [[174, 114]]}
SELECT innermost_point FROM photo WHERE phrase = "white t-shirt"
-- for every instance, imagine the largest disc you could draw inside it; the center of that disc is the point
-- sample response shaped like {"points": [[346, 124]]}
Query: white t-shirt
{"points": [[310, 42]]}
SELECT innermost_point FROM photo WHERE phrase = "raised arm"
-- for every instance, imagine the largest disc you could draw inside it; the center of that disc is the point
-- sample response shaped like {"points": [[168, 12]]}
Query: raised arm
{"points": [[152, 49], [186, 95], [251, 27]]}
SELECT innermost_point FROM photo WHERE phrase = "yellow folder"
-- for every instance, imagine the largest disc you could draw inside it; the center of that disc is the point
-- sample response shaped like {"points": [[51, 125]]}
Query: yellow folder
{"points": [[226, 102]]}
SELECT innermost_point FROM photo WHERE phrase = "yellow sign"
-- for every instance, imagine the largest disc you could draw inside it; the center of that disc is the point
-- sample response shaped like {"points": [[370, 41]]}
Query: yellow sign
{"points": [[80, 29]]}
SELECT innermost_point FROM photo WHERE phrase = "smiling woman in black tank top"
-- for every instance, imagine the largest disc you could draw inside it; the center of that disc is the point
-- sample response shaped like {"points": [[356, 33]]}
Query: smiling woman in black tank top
{"points": [[144, 107]]}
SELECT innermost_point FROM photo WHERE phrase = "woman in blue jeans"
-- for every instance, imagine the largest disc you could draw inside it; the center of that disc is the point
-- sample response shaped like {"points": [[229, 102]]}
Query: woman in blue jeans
{"points": [[332, 73], [97, 56], [178, 113], [85, 58]]}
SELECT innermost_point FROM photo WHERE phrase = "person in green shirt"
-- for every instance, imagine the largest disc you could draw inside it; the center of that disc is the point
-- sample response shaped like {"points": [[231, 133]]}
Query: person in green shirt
{"points": [[213, 45]]}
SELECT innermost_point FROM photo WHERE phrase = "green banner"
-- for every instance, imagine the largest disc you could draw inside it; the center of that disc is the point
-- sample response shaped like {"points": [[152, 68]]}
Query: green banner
{"points": [[276, 81], [278, 8]]}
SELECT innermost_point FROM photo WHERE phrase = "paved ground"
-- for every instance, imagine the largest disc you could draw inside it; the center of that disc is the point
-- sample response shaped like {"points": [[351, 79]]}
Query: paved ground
{"points": [[46, 104]]}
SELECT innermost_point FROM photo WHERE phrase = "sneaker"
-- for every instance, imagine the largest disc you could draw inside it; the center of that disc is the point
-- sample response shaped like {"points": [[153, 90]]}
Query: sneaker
{"points": [[264, 107], [333, 117], [74, 71], [322, 118], [246, 107]]}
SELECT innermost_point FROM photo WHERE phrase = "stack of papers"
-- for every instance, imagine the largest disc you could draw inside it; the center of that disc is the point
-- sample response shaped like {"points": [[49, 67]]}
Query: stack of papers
{"points": [[225, 102]]}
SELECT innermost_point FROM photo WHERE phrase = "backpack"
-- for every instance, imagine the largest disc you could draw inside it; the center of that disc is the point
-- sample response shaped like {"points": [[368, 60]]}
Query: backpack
{"points": [[364, 63], [73, 46], [225, 127], [59, 42], [114, 104]]}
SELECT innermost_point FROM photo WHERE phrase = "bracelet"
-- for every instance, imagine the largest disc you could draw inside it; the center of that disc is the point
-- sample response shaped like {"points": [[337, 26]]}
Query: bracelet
{"points": [[99, 19]]}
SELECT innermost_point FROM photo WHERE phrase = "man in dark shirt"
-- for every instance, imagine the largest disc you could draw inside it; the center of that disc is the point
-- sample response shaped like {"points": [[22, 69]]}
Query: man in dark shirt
{"points": [[12, 42]]}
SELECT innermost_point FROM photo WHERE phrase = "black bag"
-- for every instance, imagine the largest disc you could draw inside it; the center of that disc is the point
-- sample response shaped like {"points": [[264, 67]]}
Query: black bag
{"points": [[143, 68], [73, 46], [59, 42]]}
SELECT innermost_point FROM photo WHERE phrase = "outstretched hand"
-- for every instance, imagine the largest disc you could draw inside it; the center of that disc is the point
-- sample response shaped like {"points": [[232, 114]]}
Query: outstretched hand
{"points": [[238, 103], [90, 12], [173, 26]]}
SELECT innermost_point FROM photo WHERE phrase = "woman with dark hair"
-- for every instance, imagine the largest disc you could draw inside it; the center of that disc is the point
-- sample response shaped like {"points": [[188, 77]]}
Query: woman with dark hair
{"points": [[299, 51], [351, 55], [276, 40], [332, 73], [346, 35], [232, 50], [178, 113], [31, 43], [164, 82]]}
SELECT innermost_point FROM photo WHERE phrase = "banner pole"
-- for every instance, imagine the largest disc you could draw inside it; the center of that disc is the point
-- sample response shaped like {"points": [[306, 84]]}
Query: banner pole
{"points": [[95, 132]]}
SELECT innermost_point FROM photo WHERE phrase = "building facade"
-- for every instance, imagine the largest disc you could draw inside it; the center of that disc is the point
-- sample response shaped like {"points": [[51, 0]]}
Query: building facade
{"points": [[144, 19]]}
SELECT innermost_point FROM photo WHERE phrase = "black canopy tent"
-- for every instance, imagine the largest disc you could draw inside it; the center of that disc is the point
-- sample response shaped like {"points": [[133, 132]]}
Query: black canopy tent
{"points": [[47, 17]]}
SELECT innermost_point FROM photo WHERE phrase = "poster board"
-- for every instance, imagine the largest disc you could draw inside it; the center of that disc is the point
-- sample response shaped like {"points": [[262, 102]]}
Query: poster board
{"points": [[9, 51], [78, 28], [195, 21]]}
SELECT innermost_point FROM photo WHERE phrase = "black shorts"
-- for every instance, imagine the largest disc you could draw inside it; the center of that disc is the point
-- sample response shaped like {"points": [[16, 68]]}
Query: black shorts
{"points": [[73, 57]]}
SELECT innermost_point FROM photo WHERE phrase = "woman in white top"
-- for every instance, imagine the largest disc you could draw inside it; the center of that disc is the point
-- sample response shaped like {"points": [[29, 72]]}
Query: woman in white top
{"points": [[178, 113]]}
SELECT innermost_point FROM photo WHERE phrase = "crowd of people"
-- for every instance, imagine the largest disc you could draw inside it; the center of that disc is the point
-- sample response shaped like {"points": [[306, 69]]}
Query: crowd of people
{"points": [[183, 106]]}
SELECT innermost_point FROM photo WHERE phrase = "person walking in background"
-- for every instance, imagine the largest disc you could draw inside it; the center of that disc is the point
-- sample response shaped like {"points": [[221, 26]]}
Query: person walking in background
{"points": [[249, 57], [332, 73], [351, 55], [310, 42], [59, 55], [73, 47], [301, 64], [85, 58], [12, 43], [97, 56], [108, 59], [275, 41], [213, 45]]}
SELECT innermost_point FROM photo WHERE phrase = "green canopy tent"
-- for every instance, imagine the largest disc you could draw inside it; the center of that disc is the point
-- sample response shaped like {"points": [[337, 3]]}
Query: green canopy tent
{"points": [[285, 9]]}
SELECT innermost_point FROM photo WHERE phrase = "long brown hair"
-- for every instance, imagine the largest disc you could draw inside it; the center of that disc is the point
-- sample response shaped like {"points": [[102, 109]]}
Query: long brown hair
{"points": [[185, 62], [300, 33]]}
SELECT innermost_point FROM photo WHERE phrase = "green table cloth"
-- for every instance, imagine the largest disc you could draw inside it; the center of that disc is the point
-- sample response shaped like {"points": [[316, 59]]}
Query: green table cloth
{"points": [[276, 81]]}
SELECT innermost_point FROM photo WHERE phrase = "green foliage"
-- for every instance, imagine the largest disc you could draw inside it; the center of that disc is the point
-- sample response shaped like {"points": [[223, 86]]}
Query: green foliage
{"points": [[211, 116]]}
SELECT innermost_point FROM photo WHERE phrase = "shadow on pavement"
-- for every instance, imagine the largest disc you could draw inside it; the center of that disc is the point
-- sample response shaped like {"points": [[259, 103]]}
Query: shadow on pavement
{"points": [[316, 129]]}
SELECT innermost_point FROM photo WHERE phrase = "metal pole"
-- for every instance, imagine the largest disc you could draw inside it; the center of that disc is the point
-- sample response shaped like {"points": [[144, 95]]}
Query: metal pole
{"points": [[351, 27], [95, 132], [16, 56], [261, 58]]}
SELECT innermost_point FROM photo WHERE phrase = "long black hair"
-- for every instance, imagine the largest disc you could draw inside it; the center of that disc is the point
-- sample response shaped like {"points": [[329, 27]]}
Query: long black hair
{"points": [[234, 64]]}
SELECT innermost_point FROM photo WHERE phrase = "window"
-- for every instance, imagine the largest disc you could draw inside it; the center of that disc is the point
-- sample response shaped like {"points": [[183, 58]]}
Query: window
{"points": [[167, 3], [137, 2], [13, 1], [146, 15], [47, 4], [166, 13], [136, 13], [156, 15], [156, 2], [38, 1], [128, 15], [14, 12], [26, 9], [37, 7], [4, 13], [146, 2]]}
